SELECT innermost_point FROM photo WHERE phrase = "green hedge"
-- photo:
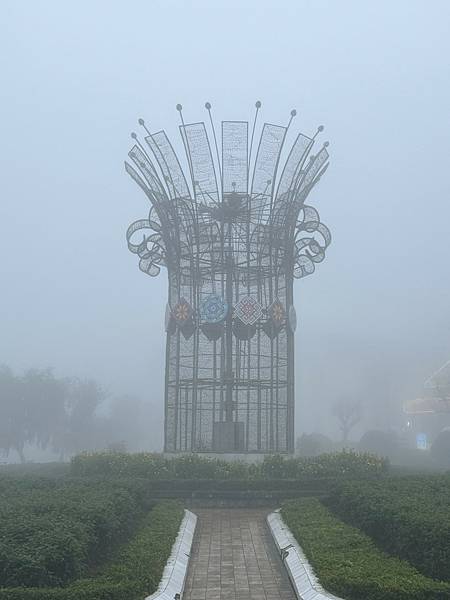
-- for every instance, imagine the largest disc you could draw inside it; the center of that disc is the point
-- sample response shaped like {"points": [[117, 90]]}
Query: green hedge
{"points": [[47, 469], [156, 467], [192, 486], [135, 571], [53, 531], [406, 516], [348, 563]]}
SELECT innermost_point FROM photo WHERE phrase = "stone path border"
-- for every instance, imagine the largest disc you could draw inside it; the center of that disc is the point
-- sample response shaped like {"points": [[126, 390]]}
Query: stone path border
{"points": [[300, 572], [174, 574]]}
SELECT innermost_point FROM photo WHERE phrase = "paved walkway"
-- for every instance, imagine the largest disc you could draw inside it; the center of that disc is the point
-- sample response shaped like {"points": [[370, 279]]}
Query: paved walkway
{"points": [[234, 558]]}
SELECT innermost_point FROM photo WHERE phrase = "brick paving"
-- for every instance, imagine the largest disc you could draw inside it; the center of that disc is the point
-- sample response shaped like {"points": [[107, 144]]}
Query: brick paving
{"points": [[234, 558]]}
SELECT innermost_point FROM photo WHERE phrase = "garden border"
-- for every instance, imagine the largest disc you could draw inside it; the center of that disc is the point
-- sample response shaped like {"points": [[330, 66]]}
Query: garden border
{"points": [[174, 574], [301, 574]]}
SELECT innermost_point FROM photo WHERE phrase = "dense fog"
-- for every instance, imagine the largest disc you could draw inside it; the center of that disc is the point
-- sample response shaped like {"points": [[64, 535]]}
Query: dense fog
{"points": [[374, 318]]}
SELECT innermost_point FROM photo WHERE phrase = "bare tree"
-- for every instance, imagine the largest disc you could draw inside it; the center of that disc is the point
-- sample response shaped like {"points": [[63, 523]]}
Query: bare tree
{"points": [[348, 413]]}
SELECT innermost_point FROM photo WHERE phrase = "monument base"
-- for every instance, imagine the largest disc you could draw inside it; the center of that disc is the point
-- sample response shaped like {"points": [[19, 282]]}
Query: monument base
{"points": [[228, 436], [248, 458]]}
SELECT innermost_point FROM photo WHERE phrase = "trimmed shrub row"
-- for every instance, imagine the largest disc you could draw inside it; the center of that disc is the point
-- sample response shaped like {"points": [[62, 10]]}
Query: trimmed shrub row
{"points": [[53, 531], [348, 563], [191, 466], [135, 571], [406, 516]]}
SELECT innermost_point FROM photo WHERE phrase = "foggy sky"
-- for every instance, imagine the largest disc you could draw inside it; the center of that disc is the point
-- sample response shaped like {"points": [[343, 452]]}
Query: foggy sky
{"points": [[374, 319]]}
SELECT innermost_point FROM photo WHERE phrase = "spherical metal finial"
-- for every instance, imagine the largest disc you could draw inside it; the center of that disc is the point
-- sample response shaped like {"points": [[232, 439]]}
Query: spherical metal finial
{"points": [[208, 105], [134, 136], [258, 104], [179, 107], [141, 122], [320, 128], [293, 112]]}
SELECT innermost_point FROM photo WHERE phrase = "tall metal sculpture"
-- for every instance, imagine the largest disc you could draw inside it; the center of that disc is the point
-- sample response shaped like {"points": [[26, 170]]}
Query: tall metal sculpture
{"points": [[233, 233]]}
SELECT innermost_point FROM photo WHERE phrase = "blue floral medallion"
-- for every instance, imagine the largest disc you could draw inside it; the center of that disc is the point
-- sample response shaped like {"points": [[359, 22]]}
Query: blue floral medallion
{"points": [[213, 309]]}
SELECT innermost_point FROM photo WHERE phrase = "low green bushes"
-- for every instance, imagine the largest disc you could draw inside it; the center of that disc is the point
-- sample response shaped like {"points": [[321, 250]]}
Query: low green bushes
{"points": [[191, 466], [134, 572], [48, 469], [236, 485], [348, 563], [406, 516], [53, 531]]}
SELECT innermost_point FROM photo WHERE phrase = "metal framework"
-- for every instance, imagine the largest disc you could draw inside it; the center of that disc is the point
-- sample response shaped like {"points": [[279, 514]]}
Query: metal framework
{"points": [[233, 233]]}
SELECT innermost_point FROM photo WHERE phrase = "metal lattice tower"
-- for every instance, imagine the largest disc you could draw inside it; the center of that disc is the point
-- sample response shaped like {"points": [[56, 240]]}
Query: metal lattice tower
{"points": [[233, 233]]}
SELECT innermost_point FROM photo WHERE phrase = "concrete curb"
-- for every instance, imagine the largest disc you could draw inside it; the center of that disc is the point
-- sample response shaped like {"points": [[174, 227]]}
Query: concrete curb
{"points": [[174, 574], [301, 574]]}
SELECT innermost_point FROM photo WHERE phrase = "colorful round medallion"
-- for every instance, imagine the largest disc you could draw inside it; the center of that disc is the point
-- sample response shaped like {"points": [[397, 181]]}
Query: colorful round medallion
{"points": [[277, 313], [182, 312], [213, 309], [248, 310]]}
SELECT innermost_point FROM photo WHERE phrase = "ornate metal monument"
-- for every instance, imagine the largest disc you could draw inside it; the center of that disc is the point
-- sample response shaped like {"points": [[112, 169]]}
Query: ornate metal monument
{"points": [[233, 231]]}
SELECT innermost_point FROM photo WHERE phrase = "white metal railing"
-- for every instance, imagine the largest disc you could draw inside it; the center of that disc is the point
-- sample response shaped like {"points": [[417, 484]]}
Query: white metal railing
{"points": [[300, 572], [173, 578]]}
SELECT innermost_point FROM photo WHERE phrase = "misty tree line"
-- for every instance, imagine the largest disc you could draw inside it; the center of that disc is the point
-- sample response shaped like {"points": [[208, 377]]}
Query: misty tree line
{"points": [[60, 414]]}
